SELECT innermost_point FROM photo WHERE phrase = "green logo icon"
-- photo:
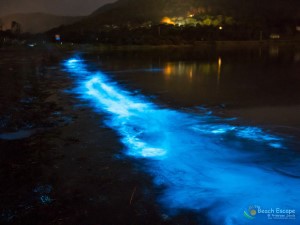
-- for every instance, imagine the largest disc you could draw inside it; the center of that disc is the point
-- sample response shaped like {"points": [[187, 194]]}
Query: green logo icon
{"points": [[250, 213]]}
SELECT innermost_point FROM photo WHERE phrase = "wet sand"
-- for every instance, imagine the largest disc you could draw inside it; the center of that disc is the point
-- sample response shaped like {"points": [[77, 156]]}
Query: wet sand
{"points": [[64, 167]]}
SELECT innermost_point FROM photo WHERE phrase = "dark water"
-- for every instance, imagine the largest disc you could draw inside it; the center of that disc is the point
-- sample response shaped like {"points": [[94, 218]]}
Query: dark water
{"points": [[148, 137], [260, 84], [241, 78]]}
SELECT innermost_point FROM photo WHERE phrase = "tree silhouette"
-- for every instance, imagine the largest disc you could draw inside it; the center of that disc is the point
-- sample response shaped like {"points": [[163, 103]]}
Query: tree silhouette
{"points": [[15, 27], [1, 25]]}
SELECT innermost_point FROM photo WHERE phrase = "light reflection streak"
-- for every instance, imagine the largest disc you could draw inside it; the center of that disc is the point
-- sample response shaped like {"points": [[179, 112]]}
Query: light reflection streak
{"points": [[219, 71], [204, 163]]}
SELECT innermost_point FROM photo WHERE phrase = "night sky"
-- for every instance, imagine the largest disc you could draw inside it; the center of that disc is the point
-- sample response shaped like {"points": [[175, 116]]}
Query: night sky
{"points": [[60, 7]]}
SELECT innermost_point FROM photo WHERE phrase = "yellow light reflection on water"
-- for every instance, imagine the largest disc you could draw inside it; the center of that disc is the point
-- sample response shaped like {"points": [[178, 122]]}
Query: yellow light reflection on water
{"points": [[219, 71], [219, 66], [194, 70], [181, 69], [168, 69], [191, 73]]}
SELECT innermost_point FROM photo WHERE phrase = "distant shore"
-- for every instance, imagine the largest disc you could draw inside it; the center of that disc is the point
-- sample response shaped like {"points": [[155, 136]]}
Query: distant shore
{"points": [[67, 46], [196, 44]]}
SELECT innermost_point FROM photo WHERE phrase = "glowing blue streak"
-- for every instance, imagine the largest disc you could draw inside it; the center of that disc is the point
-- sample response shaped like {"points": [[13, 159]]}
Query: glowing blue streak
{"points": [[203, 162]]}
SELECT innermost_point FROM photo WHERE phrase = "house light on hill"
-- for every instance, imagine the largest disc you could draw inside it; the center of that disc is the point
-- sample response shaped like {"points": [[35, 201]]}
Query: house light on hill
{"points": [[167, 20], [274, 36]]}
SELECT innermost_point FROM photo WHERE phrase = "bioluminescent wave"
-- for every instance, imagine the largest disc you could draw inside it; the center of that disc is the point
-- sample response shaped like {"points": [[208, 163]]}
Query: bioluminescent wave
{"points": [[203, 162]]}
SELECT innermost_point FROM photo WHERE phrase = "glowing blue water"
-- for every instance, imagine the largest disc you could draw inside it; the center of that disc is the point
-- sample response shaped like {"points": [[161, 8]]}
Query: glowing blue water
{"points": [[202, 161]]}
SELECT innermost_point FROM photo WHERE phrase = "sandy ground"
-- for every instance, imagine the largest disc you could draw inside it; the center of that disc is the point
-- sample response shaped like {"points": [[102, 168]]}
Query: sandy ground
{"points": [[58, 164]]}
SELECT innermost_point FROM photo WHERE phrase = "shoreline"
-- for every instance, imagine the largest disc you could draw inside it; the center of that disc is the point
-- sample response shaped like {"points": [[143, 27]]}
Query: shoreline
{"points": [[196, 45]]}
